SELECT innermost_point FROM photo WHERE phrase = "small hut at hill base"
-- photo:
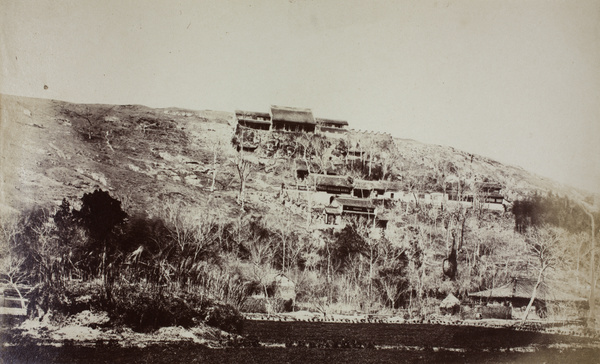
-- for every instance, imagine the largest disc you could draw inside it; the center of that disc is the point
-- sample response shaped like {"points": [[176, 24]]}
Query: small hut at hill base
{"points": [[281, 286], [450, 305]]}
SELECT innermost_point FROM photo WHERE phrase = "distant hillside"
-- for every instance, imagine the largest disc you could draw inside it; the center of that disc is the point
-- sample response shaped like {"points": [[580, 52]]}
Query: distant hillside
{"points": [[517, 182], [55, 149]]}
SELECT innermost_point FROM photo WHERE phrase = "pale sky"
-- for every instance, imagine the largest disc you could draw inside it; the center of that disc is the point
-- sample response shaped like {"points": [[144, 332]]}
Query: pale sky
{"points": [[517, 81]]}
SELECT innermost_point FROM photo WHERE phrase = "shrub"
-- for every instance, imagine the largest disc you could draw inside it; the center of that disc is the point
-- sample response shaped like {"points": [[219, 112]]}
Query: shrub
{"points": [[63, 299], [225, 317], [261, 305], [148, 307], [255, 305]]}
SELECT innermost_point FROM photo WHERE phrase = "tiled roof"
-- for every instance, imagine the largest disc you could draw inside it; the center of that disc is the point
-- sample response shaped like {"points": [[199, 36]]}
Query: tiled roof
{"points": [[390, 186], [364, 185], [254, 121], [488, 185]]}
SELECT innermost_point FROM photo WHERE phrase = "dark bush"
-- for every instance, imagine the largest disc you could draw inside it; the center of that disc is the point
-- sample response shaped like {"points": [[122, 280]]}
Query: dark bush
{"points": [[260, 304], [60, 299], [100, 214], [149, 308], [225, 317], [254, 305]]}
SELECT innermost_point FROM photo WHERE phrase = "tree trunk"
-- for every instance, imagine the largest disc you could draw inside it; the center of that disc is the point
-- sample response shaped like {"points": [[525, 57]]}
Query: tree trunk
{"points": [[21, 298], [533, 294], [309, 208], [370, 273], [242, 186], [283, 261], [214, 176]]}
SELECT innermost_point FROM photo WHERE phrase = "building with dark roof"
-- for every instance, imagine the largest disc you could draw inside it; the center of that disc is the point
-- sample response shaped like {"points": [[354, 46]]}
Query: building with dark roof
{"points": [[517, 293], [253, 119], [357, 206], [287, 118], [490, 192], [375, 189], [292, 119], [363, 189], [333, 184], [331, 126], [348, 206]]}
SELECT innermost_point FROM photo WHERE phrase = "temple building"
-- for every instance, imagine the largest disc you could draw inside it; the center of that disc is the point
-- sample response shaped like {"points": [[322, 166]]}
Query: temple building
{"points": [[333, 184], [332, 127], [344, 206], [292, 119], [490, 192], [285, 118], [253, 120]]}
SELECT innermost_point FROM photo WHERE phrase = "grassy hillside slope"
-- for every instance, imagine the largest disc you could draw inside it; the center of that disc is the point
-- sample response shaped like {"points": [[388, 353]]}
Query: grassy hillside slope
{"points": [[54, 149]]}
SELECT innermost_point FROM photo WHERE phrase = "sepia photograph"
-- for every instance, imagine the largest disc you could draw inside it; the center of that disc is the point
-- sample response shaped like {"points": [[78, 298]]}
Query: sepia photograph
{"points": [[278, 181]]}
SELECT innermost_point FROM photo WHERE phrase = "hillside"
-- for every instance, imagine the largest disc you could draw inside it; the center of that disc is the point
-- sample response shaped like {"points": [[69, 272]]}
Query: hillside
{"points": [[517, 182], [153, 160], [54, 149]]}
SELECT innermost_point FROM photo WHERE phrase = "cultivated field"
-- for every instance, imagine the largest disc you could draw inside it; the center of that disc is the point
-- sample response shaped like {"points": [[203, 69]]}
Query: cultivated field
{"points": [[318, 342]]}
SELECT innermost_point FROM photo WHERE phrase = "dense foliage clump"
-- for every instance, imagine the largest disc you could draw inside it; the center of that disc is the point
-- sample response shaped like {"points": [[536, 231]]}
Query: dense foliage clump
{"points": [[138, 270]]}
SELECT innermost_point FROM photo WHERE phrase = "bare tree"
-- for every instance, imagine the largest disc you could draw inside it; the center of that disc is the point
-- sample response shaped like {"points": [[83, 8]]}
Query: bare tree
{"points": [[215, 148], [283, 226], [304, 141], [323, 152], [93, 120], [388, 157], [365, 229], [542, 242], [244, 168], [592, 316], [391, 271], [11, 265]]}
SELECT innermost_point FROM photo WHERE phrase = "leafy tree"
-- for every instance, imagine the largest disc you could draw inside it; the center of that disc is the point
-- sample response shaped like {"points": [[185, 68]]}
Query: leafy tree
{"points": [[346, 245], [102, 216]]}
